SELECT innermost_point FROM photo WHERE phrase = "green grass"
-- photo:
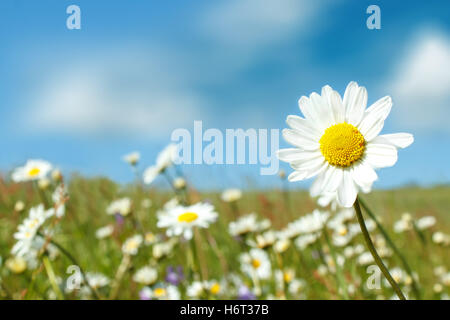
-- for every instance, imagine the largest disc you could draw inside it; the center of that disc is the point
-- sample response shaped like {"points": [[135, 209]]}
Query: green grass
{"points": [[86, 212]]}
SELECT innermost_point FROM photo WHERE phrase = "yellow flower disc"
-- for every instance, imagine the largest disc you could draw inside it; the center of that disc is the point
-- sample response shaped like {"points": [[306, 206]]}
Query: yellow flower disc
{"points": [[342, 144], [187, 217]]}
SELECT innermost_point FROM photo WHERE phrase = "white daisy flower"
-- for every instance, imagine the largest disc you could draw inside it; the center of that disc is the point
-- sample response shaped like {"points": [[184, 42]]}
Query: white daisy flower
{"points": [[121, 206], [132, 244], [32, 170], [195, 290], [231, 195], [132, 158], [161, 292], [426, 222], [338, 141], [97, 280], [104, 232], [181, 220], [246, 224], [256, 263], [145, 275], [29, 228], [165, 159], [59, 198]]}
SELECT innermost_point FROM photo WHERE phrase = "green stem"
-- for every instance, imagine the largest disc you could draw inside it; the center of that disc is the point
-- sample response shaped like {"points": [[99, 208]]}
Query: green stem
{"points": [[52, 277], [393, 247], [374, 253], [339, 275], [74, 261]]}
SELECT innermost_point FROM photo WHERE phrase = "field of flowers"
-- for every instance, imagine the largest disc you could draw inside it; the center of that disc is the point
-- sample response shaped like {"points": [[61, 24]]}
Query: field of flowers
{"points": [[131, 242]]}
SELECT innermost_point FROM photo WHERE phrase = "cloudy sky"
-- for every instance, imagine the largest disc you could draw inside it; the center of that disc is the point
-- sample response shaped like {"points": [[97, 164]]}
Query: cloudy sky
{"points": [[137, 70]]}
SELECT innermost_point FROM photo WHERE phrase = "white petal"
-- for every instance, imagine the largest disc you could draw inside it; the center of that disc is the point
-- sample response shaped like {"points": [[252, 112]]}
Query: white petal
{"points": [[295, 154], [307, 164], [299, 140], [381, 108], [363, 174], [303, 126], [370, 132], [355, 105], [309, 112], [316, 186], [333, 178], [337, 107], [297, 176], [398, 140], [347, 190], [380, 155], [322, 109]]}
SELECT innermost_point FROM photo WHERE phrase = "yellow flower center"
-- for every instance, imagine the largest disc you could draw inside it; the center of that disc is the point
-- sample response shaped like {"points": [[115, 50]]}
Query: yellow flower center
{"points": [[159, 292], [342, 144], [256, 263], [287, 277], [187, 217], [215, 288], [34, 172]]}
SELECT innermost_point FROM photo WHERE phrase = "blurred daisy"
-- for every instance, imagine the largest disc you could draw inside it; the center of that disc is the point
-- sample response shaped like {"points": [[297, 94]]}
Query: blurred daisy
{"points": [[132, 244], [146, 275], [28, 229], [132, 158], [195, 290], [32, 170], [97, 280], [165, 159], [121, 206], [16, 264], [59, 198], [426, 222], [179, 183], [263, 240], [19, 206], [246, 224], [104, 232], [160, 292], [338, 141], [231, 195], [181, 220], [256, 263]]}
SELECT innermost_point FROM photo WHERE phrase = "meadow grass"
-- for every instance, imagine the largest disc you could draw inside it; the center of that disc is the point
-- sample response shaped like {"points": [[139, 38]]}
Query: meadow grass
{"points": [[86, 212]]}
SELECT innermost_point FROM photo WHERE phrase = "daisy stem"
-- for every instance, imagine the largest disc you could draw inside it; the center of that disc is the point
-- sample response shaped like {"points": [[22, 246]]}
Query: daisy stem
{"points": [[374, 253], [393, 247], [52, 277], [339, 275], [200, 256], [126, 260], [74, 261]]}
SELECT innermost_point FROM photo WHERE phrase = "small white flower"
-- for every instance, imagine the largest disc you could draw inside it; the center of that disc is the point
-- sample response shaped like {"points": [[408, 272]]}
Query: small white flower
{"points": [[426, 222], [132, 244], [166, 158], [195, 290], [231, 195], [29, 228], [338, 141], [121, 206], [132, 158], [104, 232], [97, 280], [32, 170], [179, 183], [246, 224], [146, 275], [256, 263], [181, 220], [161, 292]]}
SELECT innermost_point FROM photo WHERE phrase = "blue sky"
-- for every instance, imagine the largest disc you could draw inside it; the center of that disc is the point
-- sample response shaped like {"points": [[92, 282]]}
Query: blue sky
{"points": [[137, 70]]}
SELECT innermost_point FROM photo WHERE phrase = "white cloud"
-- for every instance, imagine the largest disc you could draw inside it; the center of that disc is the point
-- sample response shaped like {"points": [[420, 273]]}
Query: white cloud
{"points": [[420, 85], [244, 27], [122, 94]]}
